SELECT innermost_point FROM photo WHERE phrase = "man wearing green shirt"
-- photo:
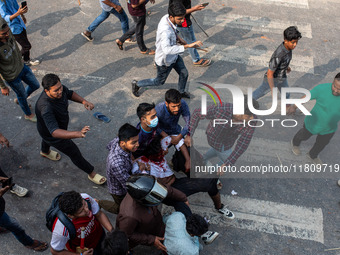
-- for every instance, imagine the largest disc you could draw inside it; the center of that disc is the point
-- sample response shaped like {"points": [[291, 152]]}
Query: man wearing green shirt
{"points": [[324, 119], [15, 72]]}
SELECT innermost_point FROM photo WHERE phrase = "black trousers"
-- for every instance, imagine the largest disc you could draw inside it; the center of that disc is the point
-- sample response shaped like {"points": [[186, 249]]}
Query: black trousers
{"points": [[140, 22], [2, 173], [321, 141], [24, 43], [190, 186], [69, 148]]}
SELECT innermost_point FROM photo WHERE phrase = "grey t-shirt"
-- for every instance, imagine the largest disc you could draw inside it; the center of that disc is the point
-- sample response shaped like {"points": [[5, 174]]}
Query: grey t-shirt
{"points": [[107, 8], [279, 62]]}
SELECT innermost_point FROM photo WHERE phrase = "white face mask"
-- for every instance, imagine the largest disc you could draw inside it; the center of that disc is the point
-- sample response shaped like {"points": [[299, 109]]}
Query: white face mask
{"points": [[153, 123]]}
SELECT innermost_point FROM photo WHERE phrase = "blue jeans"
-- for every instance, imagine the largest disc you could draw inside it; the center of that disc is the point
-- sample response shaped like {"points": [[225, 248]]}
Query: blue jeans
{"points": [[264, 88], [12, 225], [124, 21], [187, 33], [163, 73], [222, 155], [28, 77]]}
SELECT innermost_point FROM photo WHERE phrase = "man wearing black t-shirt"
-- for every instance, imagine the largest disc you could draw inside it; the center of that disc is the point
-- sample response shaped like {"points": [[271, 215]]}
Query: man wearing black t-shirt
{"points": [[276, 76], [186, 31], [51, 110]]}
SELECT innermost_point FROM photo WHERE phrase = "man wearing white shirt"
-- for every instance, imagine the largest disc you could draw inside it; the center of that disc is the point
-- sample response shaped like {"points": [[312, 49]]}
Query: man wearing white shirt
{"points": [[167, 51]]}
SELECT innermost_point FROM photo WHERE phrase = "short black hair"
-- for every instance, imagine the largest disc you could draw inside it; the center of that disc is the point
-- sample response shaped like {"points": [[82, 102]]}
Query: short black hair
{"points": [[126, 132], [291, 33], [173, 96], [176, 9], [246, 108], [154, 147], [337, 76], [49, 80], [115, 243], [196, 225], [143, 108], [70, 202]]}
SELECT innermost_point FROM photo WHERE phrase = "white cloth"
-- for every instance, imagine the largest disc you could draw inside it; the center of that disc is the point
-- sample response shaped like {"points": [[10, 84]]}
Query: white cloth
{"points": [[106, 7], [167, 49], [166, 142], [60, 235], [159, 169]]}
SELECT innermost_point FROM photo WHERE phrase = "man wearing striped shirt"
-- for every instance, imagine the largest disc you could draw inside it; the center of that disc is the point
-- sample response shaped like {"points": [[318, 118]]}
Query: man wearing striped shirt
{"points": [[222, 138]]}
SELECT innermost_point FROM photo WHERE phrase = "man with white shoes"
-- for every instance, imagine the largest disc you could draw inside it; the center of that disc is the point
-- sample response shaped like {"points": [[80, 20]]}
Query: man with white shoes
{"points": [[15, 189], [324, 119], [15, 72]]}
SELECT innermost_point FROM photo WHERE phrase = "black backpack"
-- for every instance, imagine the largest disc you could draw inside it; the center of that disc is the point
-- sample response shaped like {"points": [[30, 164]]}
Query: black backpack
{"points": [[54, 211]]}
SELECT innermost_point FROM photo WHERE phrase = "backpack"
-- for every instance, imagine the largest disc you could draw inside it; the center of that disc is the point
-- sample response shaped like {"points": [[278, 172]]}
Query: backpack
{"points": [[54, 212]]}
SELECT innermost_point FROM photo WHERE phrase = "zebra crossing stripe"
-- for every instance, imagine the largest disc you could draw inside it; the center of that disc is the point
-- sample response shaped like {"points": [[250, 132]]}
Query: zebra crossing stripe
{"points": [[303, 4], [264, 216], [256, 24]]}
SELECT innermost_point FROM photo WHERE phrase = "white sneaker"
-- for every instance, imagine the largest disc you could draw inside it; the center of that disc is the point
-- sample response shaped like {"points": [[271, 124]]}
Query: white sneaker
{"points": [[32, 62], [295, 149], [209, 236], [19, 191], [219, 184], [316, 161], [228, 214]]}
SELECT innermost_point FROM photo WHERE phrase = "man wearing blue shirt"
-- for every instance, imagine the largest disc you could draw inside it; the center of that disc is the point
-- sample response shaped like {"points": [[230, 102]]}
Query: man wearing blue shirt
{"points": [[14, 16], [168, 114]]}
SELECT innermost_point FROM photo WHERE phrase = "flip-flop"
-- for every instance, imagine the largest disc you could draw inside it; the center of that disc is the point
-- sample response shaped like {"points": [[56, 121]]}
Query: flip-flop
{"points": [[119, 44], [102, 117], [53, 155], [38, 246], [97, 179]]}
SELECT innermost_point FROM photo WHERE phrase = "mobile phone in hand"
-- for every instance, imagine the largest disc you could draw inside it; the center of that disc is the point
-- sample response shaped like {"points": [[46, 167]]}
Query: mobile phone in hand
{"points": [[204, 4], [8, 182], [23, 4]]}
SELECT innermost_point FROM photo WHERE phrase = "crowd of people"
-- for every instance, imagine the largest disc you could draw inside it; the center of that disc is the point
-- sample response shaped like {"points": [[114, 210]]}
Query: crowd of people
{"points": [[138, 176]]}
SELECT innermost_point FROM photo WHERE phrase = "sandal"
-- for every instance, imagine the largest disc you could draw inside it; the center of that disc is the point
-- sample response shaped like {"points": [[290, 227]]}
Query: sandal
{"points": [[17, 102], [203, 62], [97, 179], [53, 155], [38, 246], [119, 44], [148, 52]]}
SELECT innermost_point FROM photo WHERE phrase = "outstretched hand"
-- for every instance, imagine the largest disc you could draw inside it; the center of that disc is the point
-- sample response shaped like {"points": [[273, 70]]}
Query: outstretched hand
{"points": [[88, 106], [84, 131]]}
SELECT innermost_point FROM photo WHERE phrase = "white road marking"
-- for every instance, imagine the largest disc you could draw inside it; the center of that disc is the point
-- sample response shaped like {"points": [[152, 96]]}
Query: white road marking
{"points": [[263, 216], [303, 4], [71, 76], [256, 24], [260, 150]]}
